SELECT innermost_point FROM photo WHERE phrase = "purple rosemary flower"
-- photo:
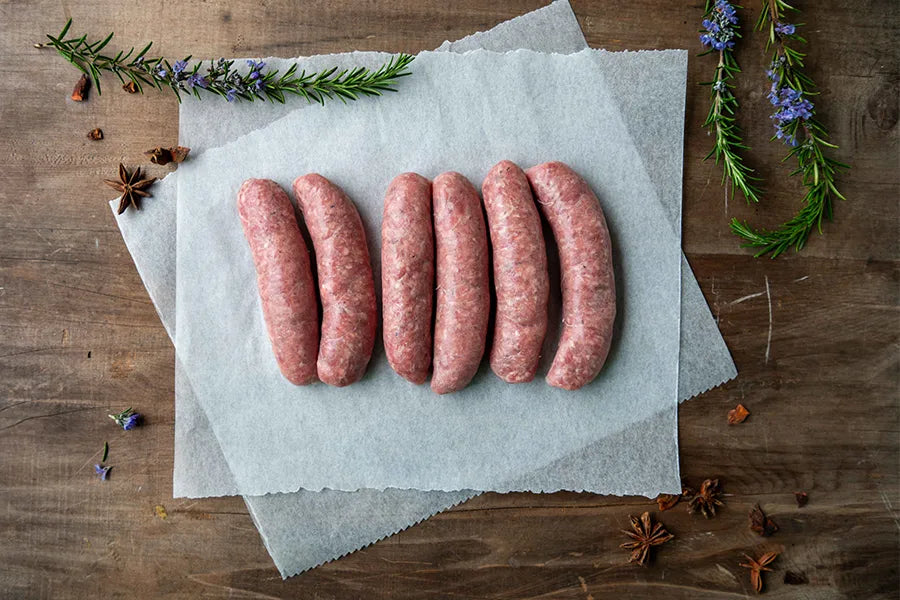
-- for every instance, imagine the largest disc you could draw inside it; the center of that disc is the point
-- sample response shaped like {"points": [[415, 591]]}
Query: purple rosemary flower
{"points": [[162, 73], [720, 27], [127, 419], [231, 94], [102, 471], [179, 67], [258, 85], [785, 28], [198, 80], [791, 107]]}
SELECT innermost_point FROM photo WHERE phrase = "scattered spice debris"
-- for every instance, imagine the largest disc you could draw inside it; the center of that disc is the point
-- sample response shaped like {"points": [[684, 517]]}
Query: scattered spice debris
{"points": [[792, 578], [645, 535], [667, 501], [131, 186], [130, 87], [79, 94], [738, 414], [707, 499], [95, 134], [760, 523], [757, 567], [802, 499], [161, 511], [164, 156]]}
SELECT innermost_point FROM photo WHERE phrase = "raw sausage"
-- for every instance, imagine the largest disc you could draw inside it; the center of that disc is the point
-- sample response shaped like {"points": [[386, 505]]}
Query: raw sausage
{"points": [[407, 276], [520, 273], [346, 286], [588, 285], [463, 299], [283, 275]]}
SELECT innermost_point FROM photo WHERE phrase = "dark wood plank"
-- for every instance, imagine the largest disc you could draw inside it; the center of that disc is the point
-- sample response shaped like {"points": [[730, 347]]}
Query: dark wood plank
{"points": [[79, 337]]}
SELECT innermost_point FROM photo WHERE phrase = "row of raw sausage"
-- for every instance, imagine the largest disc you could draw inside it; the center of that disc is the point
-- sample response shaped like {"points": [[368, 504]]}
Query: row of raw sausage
{"points": [[435, 232]]}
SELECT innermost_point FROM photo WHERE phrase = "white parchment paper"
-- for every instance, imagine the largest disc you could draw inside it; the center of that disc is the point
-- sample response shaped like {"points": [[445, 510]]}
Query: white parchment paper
{"points": [[462, 112], [304, 528]]}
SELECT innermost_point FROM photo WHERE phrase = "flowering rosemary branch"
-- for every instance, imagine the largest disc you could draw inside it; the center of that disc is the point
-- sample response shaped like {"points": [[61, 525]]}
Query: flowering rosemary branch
{"points": [[795, 125], [222, 79], [721, 28]]}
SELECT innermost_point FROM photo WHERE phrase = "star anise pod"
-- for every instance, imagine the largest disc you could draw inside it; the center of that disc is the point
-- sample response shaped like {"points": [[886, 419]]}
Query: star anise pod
{"points": [[645, 535], [131, 186], [757, 567], [707, 499]]}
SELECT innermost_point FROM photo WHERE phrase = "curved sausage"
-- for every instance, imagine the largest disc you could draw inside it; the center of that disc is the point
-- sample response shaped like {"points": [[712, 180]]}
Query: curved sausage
{"points": [[286, 288], [520, 273], [407, 276], [463, 299], [346, 287], [588, 285]]}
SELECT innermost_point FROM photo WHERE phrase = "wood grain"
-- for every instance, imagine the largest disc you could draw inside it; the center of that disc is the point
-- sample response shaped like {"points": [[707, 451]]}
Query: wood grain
{"points": [[79, 337]]}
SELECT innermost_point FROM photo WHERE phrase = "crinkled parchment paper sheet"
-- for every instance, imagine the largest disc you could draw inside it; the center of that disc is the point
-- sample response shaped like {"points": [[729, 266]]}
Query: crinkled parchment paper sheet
{"points": [[303, 529]]}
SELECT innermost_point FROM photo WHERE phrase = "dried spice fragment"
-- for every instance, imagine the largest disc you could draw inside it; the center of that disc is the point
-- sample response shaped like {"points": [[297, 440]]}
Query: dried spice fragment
{"points": [[802, 499], [792, 578], [645, 534], [667, 501], [760, 523], [130, 87], [707, 499], [163, 156], [757, 567], [95, 134], [161, 511], [738, 414], [79, 94]]}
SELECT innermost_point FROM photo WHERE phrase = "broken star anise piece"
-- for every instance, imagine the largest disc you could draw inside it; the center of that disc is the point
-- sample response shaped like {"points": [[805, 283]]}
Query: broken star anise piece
{"points": [[760, 523], [645, 535], [164, 156], [131, 186], [707, 499], [667, 501], [757, 567]]}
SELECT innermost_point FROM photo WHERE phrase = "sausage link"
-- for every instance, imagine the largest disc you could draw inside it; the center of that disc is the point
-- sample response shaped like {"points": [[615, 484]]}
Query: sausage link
{"points": [[463, 298], [283, 275], [346, 286], [407, 276], [520, 273], [588, 284]]}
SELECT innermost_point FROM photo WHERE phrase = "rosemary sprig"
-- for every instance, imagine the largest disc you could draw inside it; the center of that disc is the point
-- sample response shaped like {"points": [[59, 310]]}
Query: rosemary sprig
{"points": [[796, 125], [222, 79], [721, 29]]}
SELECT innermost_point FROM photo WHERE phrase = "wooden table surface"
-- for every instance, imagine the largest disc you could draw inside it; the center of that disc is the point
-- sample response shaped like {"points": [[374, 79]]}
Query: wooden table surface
{"points": [[79, 337]]}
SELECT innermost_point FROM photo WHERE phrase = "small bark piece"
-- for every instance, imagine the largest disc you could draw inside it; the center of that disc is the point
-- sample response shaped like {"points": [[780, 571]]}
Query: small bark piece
{"points": [[95, 134], [802, 499], [130, 87], [79, 94]]}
